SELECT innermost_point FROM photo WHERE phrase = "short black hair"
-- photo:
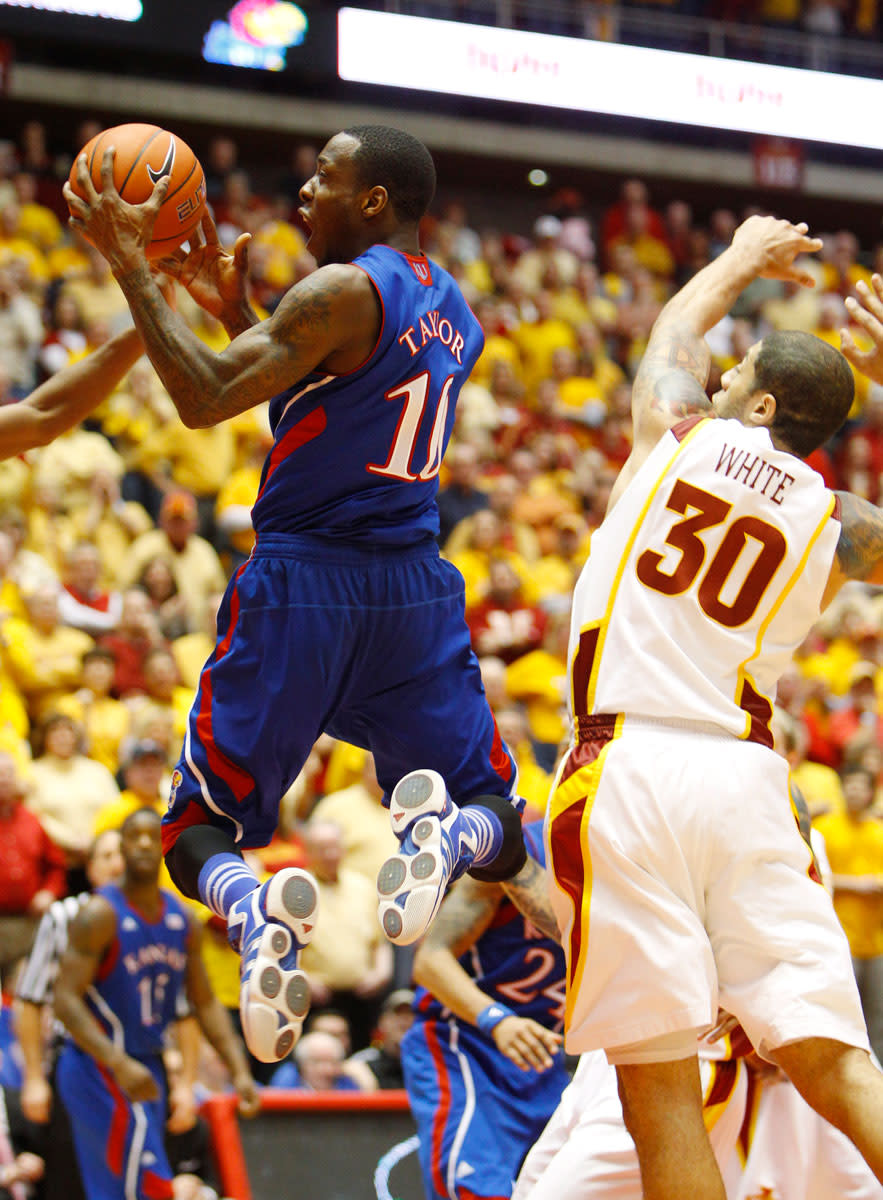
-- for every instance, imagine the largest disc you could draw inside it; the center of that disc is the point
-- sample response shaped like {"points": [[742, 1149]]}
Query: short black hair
{"points": [[400, 163], [145, 810], [812, 384]]}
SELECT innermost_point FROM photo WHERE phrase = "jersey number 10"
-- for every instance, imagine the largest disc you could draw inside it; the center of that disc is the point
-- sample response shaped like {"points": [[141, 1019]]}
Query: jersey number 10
{"points": [[415, 393]]}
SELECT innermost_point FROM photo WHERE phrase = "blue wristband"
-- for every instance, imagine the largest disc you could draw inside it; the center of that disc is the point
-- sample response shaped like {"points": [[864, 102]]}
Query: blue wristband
{"points": [[491, 1016]]}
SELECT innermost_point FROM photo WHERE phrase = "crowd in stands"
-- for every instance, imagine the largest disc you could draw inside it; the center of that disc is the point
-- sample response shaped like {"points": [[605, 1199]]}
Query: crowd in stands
{"points": [[117, 539]]}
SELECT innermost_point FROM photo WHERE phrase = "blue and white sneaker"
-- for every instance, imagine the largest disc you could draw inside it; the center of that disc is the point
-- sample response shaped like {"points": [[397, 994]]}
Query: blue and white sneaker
{"points": [[268, 928], [433, 852]]}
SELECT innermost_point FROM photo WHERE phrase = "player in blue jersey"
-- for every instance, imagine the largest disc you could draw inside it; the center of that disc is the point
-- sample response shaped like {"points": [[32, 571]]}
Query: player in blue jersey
{"points": [[133, 948], [344, 619], [483, 1065]]}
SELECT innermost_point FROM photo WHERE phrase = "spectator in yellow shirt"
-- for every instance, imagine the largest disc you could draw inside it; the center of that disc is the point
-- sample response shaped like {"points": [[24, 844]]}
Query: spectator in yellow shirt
{"points": [[105, 720], [854, 845], [43, 657]]}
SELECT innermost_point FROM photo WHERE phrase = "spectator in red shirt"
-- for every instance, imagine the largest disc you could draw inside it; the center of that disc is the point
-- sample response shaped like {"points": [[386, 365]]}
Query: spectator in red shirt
{"points": [[81, 602], [504, 624], [136, 635], [32, 873], [862, 711]]}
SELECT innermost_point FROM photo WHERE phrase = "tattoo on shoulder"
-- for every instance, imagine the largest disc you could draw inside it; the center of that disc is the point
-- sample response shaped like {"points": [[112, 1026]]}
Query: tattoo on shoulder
{"points": [[674, 371], [860, 548], [678, 395], [309, 306]]}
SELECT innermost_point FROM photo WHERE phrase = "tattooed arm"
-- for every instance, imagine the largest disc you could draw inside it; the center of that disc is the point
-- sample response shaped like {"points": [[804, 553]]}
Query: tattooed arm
{"points": [[860, 548], [330, 320], [529, 892], [670, 384], [466, 913]]}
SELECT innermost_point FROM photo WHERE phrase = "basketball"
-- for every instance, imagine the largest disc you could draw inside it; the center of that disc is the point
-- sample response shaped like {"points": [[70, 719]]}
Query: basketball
{"points": [[144, 154]]}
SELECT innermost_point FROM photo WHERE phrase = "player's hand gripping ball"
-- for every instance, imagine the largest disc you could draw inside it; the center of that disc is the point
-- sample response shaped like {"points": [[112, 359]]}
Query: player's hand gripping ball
{"points": [[144, 154]]}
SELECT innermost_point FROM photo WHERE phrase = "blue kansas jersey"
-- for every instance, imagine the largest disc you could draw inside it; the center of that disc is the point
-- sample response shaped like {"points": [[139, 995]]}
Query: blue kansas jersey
{"points": [[135, 992], [356, 457], [513, 962]]}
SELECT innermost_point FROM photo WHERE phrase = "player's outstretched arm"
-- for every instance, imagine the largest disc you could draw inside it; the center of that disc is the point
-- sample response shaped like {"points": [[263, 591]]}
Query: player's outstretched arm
{"points": [[670, 383], [465, 914], [67, 396], [92, 931], [214, 1021], [330, 318]]}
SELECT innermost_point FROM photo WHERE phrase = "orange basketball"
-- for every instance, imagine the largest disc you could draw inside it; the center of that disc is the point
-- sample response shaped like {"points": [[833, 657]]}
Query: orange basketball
{"points": [[144, 153]]}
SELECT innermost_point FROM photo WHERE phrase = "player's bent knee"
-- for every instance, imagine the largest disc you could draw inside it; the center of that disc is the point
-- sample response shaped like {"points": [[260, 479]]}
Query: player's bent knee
{"points": [[190, 852], [513, 852]]}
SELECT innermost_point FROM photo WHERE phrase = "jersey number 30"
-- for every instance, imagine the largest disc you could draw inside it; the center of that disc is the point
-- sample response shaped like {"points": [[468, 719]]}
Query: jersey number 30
{"points": [[702, 510]]}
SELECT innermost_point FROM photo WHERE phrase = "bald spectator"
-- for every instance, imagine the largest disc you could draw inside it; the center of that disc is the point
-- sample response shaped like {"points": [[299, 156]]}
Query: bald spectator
{"points": [[194, 561], [32, 872], [316, 1065], [349, 963]]}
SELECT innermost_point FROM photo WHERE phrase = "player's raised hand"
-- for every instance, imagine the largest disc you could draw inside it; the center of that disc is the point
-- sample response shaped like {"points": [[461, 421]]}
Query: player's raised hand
{"points": [[526, 1043], [216, 278], [775, 244], [121, 231], [867, 312], [135, 1080]]}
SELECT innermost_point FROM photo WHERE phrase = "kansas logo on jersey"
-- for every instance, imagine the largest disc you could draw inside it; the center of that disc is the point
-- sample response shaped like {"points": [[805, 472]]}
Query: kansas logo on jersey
{"points": [[177, 780]]}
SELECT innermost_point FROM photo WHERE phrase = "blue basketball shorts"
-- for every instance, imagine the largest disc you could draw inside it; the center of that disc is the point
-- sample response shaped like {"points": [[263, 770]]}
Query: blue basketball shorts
{"points": [[368, 645], [119, 1144], [477, 1114]]}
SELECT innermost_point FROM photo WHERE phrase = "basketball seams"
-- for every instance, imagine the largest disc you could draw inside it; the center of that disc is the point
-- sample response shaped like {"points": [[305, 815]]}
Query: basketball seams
{"points": [[98, 142], [186, 179], [138, 158]]}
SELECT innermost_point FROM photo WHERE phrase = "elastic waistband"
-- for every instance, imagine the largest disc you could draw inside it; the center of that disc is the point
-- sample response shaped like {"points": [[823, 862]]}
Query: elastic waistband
{"points": [[590, 728], [328, 550]]}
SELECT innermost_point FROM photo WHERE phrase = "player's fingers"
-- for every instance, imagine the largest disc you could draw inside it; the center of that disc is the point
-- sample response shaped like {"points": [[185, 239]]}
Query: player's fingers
{"points": [[208, 230], [867, 320], [877, 281], [74, 202], [170, 266], [107, 158], [84, 180], [240, 252], [155, 199], [870, 299]]}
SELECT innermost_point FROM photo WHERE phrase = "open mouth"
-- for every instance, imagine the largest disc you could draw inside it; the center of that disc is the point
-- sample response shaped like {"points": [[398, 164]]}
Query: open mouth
{"points": [[304, 215]]}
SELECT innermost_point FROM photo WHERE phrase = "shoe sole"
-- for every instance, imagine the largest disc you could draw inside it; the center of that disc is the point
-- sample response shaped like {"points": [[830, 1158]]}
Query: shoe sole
{"points": [[411, 887], [273, 1000]]}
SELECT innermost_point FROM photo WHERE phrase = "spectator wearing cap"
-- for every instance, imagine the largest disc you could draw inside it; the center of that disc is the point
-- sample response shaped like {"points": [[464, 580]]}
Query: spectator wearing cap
{"points": [[144, 773], [379, 1066], [547, 251], [194, 561], [32, 869]]}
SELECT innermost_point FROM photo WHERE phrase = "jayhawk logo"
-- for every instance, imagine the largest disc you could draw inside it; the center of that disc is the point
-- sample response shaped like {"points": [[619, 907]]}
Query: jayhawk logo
{"points": [[177, 780]]}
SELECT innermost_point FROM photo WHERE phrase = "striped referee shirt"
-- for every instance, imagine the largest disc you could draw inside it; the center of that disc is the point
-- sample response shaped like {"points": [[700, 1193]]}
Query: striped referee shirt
{"points": [[36, 981]]}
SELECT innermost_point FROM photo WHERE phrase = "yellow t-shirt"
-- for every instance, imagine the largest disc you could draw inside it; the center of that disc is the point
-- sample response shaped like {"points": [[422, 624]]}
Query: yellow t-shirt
{"points": [[855, 847]]}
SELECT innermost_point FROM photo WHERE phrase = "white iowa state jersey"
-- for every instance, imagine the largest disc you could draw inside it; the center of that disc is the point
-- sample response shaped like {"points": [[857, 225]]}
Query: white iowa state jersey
{"points": [[702, 581]]}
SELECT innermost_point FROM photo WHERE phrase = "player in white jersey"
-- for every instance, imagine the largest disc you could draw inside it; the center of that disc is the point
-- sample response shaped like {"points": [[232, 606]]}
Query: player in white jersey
{"points": [[681, 881]]}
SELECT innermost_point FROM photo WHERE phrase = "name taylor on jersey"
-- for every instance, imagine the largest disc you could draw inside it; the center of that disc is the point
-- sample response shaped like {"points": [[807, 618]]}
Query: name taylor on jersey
{"points": [[429, 326]]}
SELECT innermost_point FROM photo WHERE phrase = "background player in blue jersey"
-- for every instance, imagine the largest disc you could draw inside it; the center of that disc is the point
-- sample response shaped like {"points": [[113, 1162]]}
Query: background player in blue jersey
{"points": [[344, 619], [132, 948], [483, 1065]]}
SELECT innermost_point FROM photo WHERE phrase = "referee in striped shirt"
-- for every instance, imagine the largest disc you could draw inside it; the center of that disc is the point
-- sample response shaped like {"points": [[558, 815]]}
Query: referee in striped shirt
{"points": [[34, 994]]}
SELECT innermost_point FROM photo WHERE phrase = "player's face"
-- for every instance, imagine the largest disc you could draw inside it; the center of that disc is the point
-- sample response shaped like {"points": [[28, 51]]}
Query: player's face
{"points": [[331, 203], [142, 846], [737, 387]]}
